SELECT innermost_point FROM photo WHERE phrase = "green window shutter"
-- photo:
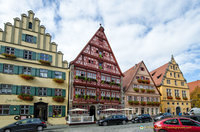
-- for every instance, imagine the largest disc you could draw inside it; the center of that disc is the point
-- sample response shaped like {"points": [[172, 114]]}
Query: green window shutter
{"points": [[33, 56], [49, 92], [49, 74], [36, 91], [37, 72], [17, 52], [53, 92], [23, 37], [50, 110], [1, 67], [64, 93], [53, 74], [2, 50], [19, 89], [63, 111], [63, 75], [37, 56], [16, 69], [31, 110], [33, 71], [34, 40], [50, 58], [21, 53], [14, 110], [33, 91], [14, 89], [20, 69]]}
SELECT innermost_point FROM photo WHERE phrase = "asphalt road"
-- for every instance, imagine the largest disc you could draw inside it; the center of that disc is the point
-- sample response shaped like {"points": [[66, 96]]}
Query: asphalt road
{"points": [[137, 127]]}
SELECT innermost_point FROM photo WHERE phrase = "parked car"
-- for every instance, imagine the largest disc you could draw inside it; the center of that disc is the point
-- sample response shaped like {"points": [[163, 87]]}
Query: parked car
{"points": [[193, 117], [194, 111], [162, 116], [113, 119], [180, 124], [31, 124], [142, 118]]}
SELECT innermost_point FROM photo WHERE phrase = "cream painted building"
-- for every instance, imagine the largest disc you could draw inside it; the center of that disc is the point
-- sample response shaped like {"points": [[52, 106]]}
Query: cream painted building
{"points": [[33, 75]]}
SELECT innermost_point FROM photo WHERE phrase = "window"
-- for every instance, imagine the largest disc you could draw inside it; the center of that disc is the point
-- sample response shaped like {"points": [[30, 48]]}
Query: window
{"points": [[80, 73], [182, 83], [27, 70], [91, 75], [118, 81], [169, 92], [30, 38], [43, 73], [102, 93], [24, 109], [26, 90], [175, 75], [4, 109], [42, 91], [44, 57], [152, 111], [184, 94], [112, 79], [58, 92], [168, 103], [176, 93], [57, 111], [129, 98], [153, 73], [137, 77], [178, 75], [148, 99], [172, 122], [170, 74], [142, 98], [107, 94], [100, 65], [142, 77], [175, 82], [30, 25], [135, 98], [103, 78], [10, 50], [159, 76], [58, 75], [142, 68], [8, 68], [108, 79], [187, 122], [5, 89], [27, 55], [156, 111], [168, 81]]}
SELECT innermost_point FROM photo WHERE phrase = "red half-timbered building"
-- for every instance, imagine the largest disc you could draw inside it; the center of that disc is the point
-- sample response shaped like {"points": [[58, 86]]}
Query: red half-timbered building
{"points": [[95, 78]]}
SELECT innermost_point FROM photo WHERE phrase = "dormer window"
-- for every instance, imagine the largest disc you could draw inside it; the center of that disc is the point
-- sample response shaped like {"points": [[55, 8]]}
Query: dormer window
{"points": [[159, 76], [30, 25]]}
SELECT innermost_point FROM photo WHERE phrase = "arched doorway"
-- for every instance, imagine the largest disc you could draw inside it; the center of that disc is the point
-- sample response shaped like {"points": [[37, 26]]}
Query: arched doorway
{"points": [[178, 110], [40, 110], [142, 110], [93, 111], [168, 110]]}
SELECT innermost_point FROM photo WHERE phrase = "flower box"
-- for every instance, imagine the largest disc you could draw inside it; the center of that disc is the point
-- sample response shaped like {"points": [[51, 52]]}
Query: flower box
{"points": [[139, 80], [48, 63], [11, 56], [26, 77], [100, 67], [58, 98], [142, 90], [150, 91], [136, 89], [143, 103], [100, 56], [157, 103], [177, 97], [81, 77], [25, 97], [130, 102], [185, 98], [149, 103], [91, 79], [169, 97], [136, 102], [58, 80]]}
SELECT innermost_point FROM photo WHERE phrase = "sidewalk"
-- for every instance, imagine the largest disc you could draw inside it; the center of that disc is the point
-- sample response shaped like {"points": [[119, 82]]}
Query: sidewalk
{"points": [[51, 127]]}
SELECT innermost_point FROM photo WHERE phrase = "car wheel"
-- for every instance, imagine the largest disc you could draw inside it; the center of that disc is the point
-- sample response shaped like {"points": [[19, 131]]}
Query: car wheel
{"points": [[39, 128], [123, 122], [105, 124], [7, 130], [162, 130]]}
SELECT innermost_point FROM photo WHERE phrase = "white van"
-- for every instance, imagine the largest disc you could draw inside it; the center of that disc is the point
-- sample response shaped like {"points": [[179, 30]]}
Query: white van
{"points": [[194, 111]]}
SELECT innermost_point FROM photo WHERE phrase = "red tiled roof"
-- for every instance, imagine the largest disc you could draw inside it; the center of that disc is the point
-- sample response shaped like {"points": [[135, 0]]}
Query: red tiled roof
{"points": [[193, 85], [158, 74], [129, 74]]}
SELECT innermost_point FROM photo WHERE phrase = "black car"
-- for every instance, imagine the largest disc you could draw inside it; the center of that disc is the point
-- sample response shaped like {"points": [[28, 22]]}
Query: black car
{"points": [[31, 124], [193, 117], [162, 116], [113, 119], [142, 118]]}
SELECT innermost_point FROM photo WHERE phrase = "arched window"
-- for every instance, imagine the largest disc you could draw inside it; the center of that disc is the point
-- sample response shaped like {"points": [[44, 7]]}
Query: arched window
{"points": [[30, 25]]}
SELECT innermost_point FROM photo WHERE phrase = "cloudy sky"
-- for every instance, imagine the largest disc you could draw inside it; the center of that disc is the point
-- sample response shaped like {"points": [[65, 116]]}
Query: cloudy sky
{"points": [[148, 30]]}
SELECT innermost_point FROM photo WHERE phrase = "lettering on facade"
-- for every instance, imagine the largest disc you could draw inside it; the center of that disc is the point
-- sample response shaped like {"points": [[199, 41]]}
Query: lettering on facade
{"points": [[12, 100]]}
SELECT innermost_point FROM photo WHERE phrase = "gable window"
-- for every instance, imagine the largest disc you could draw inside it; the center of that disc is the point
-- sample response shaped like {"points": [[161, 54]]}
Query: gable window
{"points": [[24, 109], [4, 109], [159, 76], [58, 74], [137, 77], [30, 25], [5, 89], [153, 73], [142, 68], [27, 54], [43, 73], [58, 92], [142, 77], [10, 50], [8, 68], [29, 38], [178, 75], [42, 91], [44, 57], [182, 83], [27, 70], [26, 90]]}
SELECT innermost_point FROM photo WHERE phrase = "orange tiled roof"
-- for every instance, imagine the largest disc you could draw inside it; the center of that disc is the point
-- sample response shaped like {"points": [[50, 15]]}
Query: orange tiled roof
{"points": [[193, 85], [159, 72]]}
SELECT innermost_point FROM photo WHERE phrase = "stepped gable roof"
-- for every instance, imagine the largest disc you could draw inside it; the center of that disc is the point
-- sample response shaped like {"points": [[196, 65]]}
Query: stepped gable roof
{"points": [[159, 73], [129, 75], [193, 85], [101, 29]]}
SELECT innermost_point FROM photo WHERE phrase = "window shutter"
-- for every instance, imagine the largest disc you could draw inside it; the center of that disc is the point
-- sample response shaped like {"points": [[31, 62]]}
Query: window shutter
{"points": [[33, 71], [53, 74], [14, 89], [49, 74], [34, 40], [53, 92], [20, 69], [2, 50], [17, 52], [50, 58], [14, 112], [33, 56], [63, 75], [36, 91], [64, 93], [38, 56], [31, 109], [37, 72], [16, 69], [63, 111], [49, 92], [23, 37], [21, 53], [33, 91], [1, 67], [19, 88], [50, 110]]}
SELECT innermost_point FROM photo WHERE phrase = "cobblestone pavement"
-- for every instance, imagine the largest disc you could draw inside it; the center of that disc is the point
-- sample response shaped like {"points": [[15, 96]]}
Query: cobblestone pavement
{"points": [[147, 127]]}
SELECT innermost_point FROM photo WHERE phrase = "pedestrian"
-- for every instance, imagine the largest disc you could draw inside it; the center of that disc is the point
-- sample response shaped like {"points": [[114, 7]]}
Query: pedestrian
{"points": [[180, 114]]}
